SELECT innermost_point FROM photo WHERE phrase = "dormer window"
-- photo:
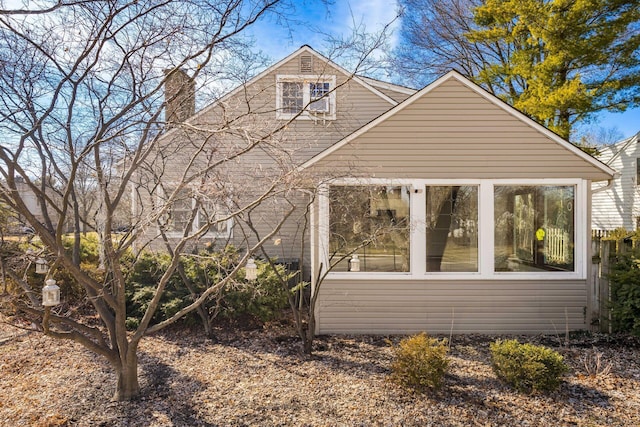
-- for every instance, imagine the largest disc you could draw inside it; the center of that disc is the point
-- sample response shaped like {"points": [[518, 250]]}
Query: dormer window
{"points": [[320, 95], [305, 97]]}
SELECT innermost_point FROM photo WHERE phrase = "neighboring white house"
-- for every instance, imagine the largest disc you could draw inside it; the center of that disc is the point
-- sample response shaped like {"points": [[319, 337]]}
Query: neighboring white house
{"points": [[29, 198], [618, 204], [32, 203]]}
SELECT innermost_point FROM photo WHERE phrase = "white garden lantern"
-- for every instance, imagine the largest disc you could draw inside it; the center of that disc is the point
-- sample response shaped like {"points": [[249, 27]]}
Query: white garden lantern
{"points": [[42, 266], [251, 270], [50, 294], [354, 263]]}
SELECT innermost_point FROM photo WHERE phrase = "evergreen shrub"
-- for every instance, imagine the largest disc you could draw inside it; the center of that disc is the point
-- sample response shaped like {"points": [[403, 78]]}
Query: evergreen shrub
{"points": [[526, 367], [624, 282], [420, 362]]}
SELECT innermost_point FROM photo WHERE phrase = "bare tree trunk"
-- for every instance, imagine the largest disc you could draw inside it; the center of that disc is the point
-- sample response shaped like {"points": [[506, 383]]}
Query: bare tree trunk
{"points": [[76, 229], [308, 341], [127, 386]]}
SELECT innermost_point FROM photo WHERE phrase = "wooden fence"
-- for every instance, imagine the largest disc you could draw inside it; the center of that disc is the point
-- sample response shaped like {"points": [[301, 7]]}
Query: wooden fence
{"points": [[557, 245]]}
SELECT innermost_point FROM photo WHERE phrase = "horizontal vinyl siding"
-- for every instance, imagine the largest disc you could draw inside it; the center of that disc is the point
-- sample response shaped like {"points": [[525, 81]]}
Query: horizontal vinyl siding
{"points": [[437, 306], [395, 95], [616, 207], [224, 126], [453, 132], [356, 106]]}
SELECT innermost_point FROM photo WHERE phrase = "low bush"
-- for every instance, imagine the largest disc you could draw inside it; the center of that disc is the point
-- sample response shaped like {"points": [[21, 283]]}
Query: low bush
{"points": [[420, 362], [624, 280], [89, 247], [20, 257], [263, 299], [526, 367]]}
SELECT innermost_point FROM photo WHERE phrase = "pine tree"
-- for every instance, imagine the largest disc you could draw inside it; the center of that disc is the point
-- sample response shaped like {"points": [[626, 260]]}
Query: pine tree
{"points": [[558, 61]]}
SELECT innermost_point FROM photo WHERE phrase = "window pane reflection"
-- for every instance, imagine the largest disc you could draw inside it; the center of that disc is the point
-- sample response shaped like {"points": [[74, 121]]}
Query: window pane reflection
{"points": [[452, 228], [371, 222], [534, 228]]}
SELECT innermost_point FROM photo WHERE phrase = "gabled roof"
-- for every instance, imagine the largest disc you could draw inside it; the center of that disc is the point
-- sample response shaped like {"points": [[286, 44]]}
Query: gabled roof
{"points": [[303, 49], [386, 85], [477, 89], [619, 147]]}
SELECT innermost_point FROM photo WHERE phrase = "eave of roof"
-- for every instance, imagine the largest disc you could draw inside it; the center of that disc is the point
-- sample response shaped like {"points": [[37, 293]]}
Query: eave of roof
{"points": [[390, 86], [621, 146], [491, 98]]}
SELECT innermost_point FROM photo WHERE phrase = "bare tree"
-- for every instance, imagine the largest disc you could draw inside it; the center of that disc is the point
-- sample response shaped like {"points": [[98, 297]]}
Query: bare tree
{"points": [[594, 137], [95, 101], [434, 40], [81, 116]]}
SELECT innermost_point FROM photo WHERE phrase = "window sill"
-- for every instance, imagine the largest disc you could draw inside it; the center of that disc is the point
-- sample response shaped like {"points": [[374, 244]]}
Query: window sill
{"points": [[305, 116], [471, 276]]}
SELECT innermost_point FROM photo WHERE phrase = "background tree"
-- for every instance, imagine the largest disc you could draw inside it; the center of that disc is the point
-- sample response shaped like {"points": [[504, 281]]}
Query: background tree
{"points": [[595, 137], [557, 61]]}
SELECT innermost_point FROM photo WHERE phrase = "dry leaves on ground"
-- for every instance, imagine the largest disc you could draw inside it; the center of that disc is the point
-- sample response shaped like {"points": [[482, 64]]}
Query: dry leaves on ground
{"points": [[259, 378]]}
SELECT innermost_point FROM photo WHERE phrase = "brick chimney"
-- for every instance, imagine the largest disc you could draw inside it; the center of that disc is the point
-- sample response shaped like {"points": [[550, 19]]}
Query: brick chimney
{"points": [[179, 97]]}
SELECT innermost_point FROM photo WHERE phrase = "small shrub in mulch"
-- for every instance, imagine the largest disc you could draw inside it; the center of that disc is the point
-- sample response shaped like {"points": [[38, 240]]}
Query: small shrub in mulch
{"points": [[420, 362], [526, 367]]}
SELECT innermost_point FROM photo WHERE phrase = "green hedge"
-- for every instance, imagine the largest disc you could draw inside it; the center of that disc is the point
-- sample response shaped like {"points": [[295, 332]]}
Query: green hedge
{"points": [[263, 299], [624, 282]]}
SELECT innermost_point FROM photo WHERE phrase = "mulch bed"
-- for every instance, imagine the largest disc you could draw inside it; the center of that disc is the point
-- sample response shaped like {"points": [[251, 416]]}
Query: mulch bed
{"points": [[260, 378]]}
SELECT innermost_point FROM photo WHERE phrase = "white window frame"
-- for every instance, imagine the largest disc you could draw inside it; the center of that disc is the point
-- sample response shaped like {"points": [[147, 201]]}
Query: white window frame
{"points": [[307, 113], [486, 250], [227, 234]]}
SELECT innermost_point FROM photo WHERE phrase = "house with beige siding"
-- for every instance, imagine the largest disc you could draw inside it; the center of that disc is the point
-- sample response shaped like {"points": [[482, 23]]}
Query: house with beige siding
{"points": [[618, 205], [249, 141], [439, 210]]}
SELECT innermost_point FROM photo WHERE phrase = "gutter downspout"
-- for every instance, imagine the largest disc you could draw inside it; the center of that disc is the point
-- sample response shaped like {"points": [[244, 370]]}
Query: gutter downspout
{"points": [[608, 186]]}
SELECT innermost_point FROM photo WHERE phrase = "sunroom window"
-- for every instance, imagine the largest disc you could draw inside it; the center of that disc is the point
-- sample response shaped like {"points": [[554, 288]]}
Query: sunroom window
{"points": [[534, 228], [452, 228], [371, 222], [482, 229]]}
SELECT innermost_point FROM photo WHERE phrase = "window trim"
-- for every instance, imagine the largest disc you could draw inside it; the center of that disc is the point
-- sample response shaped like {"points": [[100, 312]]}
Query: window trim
{"points": [[209, 234], [486, 249], [306, 114]]}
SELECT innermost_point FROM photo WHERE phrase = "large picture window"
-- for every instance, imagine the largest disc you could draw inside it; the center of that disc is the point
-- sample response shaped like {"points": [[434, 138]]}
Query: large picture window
{"points": [[534, 228], [371, 222], [452, 228], [485, 229]]}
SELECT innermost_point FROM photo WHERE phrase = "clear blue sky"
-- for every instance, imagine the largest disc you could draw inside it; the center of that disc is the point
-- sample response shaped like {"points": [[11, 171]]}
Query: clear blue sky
{"points": [[312, 18], [628, 123]]}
